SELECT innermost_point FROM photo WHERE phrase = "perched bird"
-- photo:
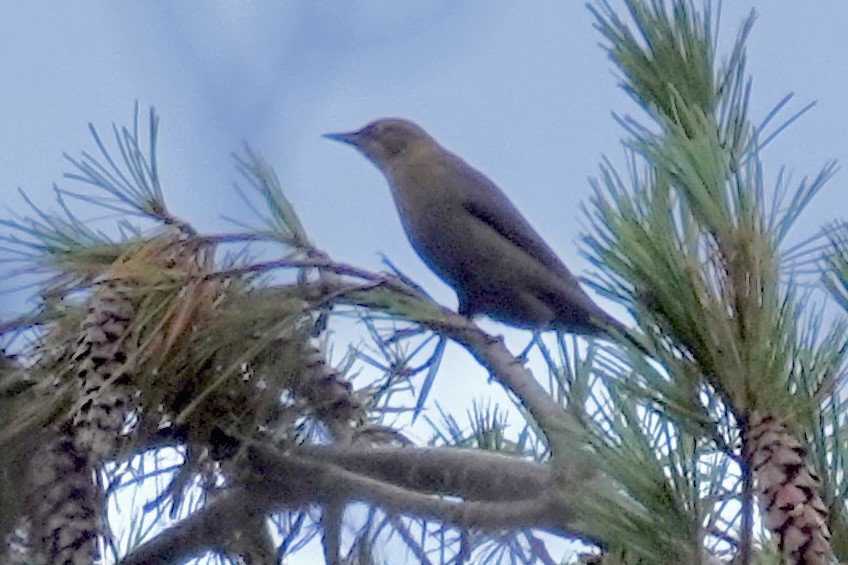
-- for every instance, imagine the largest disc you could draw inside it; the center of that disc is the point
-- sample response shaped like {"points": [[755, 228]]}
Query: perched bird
{"points": [[469, 233]]}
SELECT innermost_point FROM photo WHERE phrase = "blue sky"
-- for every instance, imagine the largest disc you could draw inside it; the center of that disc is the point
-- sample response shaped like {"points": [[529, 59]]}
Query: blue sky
{"points": [[523, 94], [520, 90]]}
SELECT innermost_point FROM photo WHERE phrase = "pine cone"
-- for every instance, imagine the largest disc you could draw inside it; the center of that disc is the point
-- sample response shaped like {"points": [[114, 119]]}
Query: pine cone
{"points": [[101, 357], [789, 492], [330, 395], [64, 501]]}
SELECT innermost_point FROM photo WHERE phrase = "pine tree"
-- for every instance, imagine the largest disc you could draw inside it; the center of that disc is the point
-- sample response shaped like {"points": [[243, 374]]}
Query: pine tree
{"points": [[205, 358]]}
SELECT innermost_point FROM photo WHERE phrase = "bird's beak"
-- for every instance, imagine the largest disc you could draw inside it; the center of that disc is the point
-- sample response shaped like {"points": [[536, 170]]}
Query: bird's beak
{"points": [[351, 138]]}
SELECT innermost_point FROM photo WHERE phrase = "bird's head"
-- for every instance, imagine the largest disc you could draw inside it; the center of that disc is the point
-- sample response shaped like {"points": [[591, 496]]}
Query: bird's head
{"points": [[385, 140]]}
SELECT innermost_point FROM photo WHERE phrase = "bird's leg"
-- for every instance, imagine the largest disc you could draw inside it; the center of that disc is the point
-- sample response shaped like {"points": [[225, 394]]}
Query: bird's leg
{"points": [[522, 357], [463, 308]]}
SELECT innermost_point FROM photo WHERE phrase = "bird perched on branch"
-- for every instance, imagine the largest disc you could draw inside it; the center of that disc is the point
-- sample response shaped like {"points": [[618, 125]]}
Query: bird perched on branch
{"points": [[469, 233]]}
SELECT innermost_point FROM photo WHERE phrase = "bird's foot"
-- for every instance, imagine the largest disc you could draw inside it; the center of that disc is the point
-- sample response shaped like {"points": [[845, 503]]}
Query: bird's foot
{"points": [[494, 339], [525, 353], [522, 357]]}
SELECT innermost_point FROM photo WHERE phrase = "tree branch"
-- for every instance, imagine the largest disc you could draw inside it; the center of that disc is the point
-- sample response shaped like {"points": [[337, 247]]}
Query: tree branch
{"points": [[310, 480], [275, 481], [206, 529], [558, 425], [555, 422], [469, 473]]}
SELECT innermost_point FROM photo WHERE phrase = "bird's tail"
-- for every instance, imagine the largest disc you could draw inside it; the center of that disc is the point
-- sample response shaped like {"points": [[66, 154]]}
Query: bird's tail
{"points": [[618, 332]]}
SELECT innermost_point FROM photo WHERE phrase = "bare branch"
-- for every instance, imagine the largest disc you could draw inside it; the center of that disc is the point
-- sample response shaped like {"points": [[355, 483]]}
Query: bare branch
{"points": [[470, 473], [490, 351], [277, 480]]}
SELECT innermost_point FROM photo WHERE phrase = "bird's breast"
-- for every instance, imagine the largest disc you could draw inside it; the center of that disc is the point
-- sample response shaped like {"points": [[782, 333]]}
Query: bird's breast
{"points": [[433, 227], [431, 205]]}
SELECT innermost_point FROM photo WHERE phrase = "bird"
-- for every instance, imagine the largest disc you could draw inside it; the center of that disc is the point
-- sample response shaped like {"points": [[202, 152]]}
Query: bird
{"points": [[474, 238]]}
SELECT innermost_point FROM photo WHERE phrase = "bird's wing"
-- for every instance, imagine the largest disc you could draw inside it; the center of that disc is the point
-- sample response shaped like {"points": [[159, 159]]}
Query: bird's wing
{"points": [[484, 200]]}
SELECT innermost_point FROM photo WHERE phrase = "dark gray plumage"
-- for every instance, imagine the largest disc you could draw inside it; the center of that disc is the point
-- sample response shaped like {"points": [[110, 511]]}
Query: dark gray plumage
{"points": [[471, 235]]}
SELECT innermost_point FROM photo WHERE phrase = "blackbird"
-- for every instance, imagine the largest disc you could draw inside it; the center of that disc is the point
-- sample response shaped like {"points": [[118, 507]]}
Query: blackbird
{"points": [[469, 233]]}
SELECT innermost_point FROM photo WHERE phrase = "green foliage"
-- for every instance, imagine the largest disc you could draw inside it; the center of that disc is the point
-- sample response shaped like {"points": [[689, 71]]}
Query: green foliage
{"points": [[690, 240], [670, 56], [132, 186], [687, 237], [278, 221], [836, 271], [691, 244]]}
